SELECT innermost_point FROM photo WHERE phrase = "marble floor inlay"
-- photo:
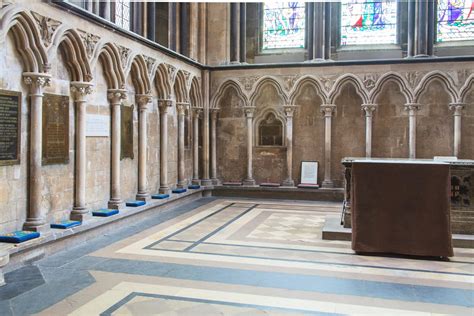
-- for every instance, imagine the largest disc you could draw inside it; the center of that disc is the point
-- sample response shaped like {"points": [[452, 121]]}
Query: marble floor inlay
{"points": [[240, 257]]}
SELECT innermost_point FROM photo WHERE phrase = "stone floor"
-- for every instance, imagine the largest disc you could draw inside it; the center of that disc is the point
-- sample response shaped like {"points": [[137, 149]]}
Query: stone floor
{"points": [[236, 257]]}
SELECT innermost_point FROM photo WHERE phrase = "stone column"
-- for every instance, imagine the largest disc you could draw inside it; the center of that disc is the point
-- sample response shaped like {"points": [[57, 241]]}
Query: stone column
{"points": [[142, 101], [243, 32], [193, 34], [181, 108], [35, 220], [214, 113], [328, 110], [206, 181], [104, 8], [197, 112], [457, 114], [421, 29], [79, 92], [116, 96], [172, 26], [234, 32], [164, 105], [411, 28], [327, 30], [151, 21], [289, 111], [310, 29], [184, 28], [318, 31], [369, 110], [95, 7], [249, 111], [412, 109]]}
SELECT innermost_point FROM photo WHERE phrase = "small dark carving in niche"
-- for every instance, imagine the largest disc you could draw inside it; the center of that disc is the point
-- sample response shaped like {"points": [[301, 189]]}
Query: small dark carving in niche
{"points": [[270, 131]]}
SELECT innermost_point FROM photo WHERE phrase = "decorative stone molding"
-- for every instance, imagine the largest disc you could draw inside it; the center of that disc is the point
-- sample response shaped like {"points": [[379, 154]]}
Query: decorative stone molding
{"points": [[457, 108], [248, 82], [290, 81], [369, 81], [328, 109], [116, 95], [249, 111], [197, 112], [172, 72], [181, 108], [90, 41], [79, 90], [37, 80], [369, 108], [412, 78], [47, 27], [214, 113], [143, 100], [124, 55], [289, 110], [412, 107], [150, 63]]}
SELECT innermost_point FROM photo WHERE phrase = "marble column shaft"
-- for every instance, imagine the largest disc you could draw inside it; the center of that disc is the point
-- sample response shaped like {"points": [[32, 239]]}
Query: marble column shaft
{"points": [[318, 31], [142, 101], [35, 221], [164, 105], [181, 108], [172, 26], [79, 92], [151, 21], [234, 33], [214, 113], [369, 110], [205, 125], [421, 29], [328, 110], [412, 109], [289, 111], [243, 32], [457, 114], [249, 111], [197, 112], [115, 97]]}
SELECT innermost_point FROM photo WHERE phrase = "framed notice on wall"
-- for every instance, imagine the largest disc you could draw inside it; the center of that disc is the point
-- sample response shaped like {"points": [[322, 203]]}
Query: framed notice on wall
{"points": [[10, 118], [309, 173]]}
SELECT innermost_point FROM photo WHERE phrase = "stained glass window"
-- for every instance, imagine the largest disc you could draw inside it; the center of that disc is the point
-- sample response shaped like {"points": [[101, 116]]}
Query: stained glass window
{"points": [[455, 20], [122, 13], [283, 25], [368, 22]]}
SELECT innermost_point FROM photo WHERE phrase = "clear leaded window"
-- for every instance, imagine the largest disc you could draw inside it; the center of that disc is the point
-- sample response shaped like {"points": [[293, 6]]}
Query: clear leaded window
{"points": [[455, 20], [283, 25], [368, 22], [122, 13]]}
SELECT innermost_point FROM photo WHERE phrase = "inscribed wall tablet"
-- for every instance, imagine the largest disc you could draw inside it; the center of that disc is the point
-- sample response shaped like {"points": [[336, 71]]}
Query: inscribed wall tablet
{"points": [[55, 129], [10, 119]]}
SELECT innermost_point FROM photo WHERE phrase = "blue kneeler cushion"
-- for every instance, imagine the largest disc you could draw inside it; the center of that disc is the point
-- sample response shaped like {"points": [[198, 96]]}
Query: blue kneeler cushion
{"points": [[179, 190], [19, 236], [194, 186], [160, 196], [135, 203], [105, 212], [65, 224]]}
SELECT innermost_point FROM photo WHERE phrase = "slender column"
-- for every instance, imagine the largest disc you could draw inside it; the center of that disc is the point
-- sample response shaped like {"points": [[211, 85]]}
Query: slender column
{"points": [[164, 105], [202, 32], [369, 110], [79, 92], [197, 112], [151, 21], [104, 9], [328, 110], [310, 30], [214, 113], [234, 32], [289, 111], [184, 29], [172, 26], [243, 32], [116, 96], [421, 29], [142, 101], [181, 108], [249, 110], [95, 7], [457, 114], [411, 28], [205, 135], [88, 5], [35, 220], [193, 34], [318, 32], [327, 30], [412, 109]]}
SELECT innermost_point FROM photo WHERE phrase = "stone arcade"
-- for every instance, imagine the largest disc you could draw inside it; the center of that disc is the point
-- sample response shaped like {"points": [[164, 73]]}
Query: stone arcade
{"points": [[166, 142]]}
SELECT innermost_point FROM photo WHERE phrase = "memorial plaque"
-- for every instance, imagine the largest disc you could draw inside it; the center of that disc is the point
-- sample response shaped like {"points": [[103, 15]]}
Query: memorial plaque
{"points": [[126, 133], [309, 172], [97, 125], [55, 129], [10, 119]]}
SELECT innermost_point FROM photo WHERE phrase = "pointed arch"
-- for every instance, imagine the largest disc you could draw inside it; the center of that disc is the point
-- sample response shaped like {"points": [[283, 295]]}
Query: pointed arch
{"points": [[348, 79], [267, 80], [466, 88], [139, 73], [195, 93], [26, 38], [229, 84], [443, 78], [262, 116], [164, 81], [180, 88], [68, 42], [109, 56], [391, 77], [307, 80]]}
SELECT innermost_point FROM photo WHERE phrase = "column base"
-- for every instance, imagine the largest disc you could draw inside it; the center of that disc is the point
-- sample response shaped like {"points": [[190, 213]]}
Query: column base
{"points": [[249, 182], [183, 184], [116, 204], [206, 182], [36, 225], [165, 190], [143, 196], [288, 183], [216, 181], [81, 214], [421, 56], [327, 184], [196, 181]]}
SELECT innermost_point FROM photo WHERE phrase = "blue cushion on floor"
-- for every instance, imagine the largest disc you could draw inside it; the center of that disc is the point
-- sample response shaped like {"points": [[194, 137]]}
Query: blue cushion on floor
{"points": [[194, 186], [160, 196], [105, 212], [135, 203], [65, 224], [179, 190], [19, 236]]}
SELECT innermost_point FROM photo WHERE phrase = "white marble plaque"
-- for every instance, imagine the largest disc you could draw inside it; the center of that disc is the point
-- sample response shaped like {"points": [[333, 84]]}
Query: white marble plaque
{"points": [[309, 172], [97, 125]]}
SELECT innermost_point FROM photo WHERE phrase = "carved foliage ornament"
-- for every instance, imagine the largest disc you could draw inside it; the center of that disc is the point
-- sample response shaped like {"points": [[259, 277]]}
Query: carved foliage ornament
{"points": [[150, 62], [369, 81], [47, 27], [39, 81], [248, 82], [89, 41], [124, 54], [290, 81]]}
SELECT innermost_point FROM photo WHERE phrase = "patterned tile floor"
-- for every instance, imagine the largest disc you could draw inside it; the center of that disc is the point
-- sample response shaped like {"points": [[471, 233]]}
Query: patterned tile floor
{"points": [[238, 257]]}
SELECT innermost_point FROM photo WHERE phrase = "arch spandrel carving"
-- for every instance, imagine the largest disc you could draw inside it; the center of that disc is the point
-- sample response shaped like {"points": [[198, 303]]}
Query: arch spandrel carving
{"points": [[348, 79], [307, 80], [445, 79], [401, 81]]}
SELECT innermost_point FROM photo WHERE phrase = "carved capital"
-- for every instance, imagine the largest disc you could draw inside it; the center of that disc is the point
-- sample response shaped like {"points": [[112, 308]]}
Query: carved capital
{"points": [[143, 100], [38, 80], [328, 109], [214, 113], [412, 108], [369, 108], [181, 108], [164, 105], [197, 112], [79, 90], [289, 110], [457, 108], [116, 95], [249, 111]]}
